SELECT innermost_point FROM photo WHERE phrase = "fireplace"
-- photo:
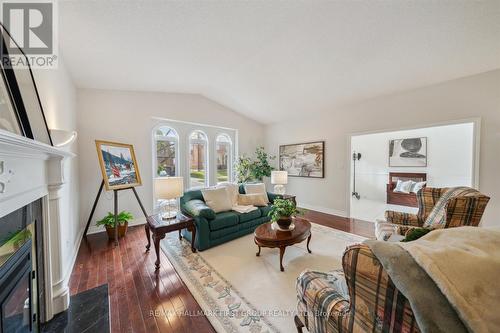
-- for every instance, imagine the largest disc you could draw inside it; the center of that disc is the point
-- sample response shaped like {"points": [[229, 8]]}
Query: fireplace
{"points": [[21, 269]]}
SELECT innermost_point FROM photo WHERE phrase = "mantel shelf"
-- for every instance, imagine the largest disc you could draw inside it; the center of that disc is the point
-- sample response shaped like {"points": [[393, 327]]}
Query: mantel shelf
{"points": [[11, 143]]}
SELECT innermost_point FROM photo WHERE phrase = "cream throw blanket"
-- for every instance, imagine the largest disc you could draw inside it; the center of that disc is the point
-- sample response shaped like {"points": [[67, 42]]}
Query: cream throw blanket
{"points": [[464, 262]]}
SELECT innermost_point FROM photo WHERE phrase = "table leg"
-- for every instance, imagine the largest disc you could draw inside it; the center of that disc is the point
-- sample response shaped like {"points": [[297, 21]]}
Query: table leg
{"points": [[156, 240], [180, 234], [282, 253], [148, 235], [193, 237], [308, 240], [258, 253]]}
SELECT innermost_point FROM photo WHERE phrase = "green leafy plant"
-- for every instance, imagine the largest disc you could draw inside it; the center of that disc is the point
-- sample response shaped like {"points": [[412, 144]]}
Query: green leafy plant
{"points": [[248, 169], [109, 220], [414, 234], [283, 208]]}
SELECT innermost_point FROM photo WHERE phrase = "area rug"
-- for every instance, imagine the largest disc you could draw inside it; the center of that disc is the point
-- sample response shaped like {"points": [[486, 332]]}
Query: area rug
{"points": [[240, 292]]}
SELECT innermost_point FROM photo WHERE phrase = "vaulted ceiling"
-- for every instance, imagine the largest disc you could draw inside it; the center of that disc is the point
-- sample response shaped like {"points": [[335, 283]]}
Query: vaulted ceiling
{"points": [[271, 60]]}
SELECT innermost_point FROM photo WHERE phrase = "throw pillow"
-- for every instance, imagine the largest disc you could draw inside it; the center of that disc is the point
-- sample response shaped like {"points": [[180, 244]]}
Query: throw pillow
{"points": [[257, 199], [257, 189], [403, 186], [218, 199], [233, 190], [417, 187]]}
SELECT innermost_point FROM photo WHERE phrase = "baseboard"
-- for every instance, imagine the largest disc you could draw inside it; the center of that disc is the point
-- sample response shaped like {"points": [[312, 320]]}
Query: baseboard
{"points": [[325, 210], [137, 221]]}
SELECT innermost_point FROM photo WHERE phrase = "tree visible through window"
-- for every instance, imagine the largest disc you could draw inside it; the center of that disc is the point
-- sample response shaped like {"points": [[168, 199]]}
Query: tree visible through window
{"points": [[166, 151], [198, 159], [223, 151]]}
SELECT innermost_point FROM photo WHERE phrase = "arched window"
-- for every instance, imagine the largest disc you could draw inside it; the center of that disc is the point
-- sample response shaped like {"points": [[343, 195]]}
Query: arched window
{"points": [[224, 157], [166, 149], [198, 171]]}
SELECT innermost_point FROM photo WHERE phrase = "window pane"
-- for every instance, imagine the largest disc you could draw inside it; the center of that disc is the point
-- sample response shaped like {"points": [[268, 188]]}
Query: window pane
{"points": [[222, 161], [197, 168], [165, 154]]}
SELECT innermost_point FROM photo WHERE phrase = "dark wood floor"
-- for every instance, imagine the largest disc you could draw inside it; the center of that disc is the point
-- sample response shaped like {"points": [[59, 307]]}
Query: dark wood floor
{"points": [[143, 300]]}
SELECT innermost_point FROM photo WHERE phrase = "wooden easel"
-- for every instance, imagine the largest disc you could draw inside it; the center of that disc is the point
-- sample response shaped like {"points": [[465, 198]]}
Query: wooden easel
{"points": [[115, 195]]}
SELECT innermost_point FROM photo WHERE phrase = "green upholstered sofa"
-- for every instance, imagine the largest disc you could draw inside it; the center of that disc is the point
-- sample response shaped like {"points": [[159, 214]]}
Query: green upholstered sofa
{"points": [[213, 229]]}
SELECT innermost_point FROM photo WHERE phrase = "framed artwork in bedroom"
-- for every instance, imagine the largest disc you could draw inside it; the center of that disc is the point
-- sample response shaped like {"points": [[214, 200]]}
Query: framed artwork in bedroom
{"points": [[118, 165], [411, 152], [303, 159]]}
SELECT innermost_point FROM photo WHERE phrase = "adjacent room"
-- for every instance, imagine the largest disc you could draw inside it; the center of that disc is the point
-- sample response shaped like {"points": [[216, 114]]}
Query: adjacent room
{"points": [[249, 166]]}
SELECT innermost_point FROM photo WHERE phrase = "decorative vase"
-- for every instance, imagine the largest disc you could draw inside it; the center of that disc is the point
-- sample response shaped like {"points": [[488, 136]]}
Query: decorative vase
{"points": [[122, 230], [284, 222]]}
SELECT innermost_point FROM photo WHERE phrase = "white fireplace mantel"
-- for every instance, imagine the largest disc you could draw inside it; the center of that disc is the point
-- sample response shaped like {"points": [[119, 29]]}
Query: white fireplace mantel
{"points": [[30, 170]]}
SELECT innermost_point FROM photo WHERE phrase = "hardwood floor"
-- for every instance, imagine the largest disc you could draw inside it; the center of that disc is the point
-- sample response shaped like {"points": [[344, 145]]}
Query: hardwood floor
{"points": [[143, 300]]}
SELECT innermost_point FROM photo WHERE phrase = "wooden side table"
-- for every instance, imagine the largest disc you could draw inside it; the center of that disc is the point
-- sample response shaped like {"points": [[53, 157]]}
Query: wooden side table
{"points": [[159, 227]]}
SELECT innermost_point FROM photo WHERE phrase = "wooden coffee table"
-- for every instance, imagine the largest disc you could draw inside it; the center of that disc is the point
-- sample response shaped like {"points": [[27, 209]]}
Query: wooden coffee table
{"points": [[266, 236]]}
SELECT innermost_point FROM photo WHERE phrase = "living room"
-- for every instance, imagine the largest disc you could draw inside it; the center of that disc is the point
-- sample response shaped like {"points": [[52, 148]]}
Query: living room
{"points": [[249, 166]]}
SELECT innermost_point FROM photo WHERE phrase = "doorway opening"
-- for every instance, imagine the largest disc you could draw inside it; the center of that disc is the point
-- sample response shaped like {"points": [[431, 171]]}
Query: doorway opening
{"points": [[443, 155]]}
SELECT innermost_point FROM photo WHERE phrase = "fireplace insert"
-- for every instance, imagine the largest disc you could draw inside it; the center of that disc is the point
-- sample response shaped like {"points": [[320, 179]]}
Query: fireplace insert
{"points": [[21, 265]]}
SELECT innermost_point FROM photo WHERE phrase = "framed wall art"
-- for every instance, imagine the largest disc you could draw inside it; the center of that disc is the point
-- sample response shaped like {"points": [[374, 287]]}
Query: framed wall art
{"points": [[118, 165], [410, 152], [303, 159]]}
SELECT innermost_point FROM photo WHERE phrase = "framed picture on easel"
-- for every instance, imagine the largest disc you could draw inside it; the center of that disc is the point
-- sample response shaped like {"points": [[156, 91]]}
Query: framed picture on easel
{"points": [[118, 165]]}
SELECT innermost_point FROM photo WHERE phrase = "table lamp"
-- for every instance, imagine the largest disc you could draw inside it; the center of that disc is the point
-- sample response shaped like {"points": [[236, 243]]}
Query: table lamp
{"points": [[168, 188], [279, 179]]}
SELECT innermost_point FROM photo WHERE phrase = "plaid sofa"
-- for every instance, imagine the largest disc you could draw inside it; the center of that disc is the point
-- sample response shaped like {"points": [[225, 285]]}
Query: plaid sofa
{"points": [[465, 209], [362, 298]]}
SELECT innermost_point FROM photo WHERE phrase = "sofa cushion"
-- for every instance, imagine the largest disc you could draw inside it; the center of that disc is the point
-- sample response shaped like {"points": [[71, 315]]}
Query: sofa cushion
{"points": [[259, 188], [257, 199], [265, 210], [218, 199], [244, 217], [232, 189], [223, 220], [198, 208]]}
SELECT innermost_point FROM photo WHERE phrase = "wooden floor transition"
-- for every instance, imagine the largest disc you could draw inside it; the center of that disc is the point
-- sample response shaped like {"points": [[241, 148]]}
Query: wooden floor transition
{"points": [[143, 300]]}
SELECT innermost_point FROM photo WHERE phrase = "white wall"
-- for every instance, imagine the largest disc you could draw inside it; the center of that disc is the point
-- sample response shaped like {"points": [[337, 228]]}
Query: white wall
{"points": [[58, 97], [126, 116], [474, 96], [450, 162]]}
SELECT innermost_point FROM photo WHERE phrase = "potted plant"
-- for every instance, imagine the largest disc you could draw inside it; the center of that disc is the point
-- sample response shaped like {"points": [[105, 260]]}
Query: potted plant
{"points": [[282, 211], [109, 223], [248, 169]]}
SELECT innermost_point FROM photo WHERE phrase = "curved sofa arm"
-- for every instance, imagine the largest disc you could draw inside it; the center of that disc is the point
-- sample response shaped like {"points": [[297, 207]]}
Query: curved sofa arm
{"points": [[196, 207]]}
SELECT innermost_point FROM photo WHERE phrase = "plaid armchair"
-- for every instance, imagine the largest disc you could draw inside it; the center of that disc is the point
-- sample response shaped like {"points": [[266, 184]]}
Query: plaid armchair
{"points": [[362, 298], [463, 209]]}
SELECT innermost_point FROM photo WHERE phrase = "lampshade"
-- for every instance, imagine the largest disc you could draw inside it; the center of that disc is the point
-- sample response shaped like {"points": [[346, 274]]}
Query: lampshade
{"points": [[168, 188], [279, 177]]}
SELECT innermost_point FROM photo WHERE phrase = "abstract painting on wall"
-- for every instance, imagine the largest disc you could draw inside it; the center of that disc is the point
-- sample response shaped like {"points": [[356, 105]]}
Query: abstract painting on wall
{"points": [[303, 159], [118, 165], [410, 152]]}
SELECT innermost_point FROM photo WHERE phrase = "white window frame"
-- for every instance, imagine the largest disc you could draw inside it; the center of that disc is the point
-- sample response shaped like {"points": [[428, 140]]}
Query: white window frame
{"points": [[157, 138], [230, 160], [205, 143]]}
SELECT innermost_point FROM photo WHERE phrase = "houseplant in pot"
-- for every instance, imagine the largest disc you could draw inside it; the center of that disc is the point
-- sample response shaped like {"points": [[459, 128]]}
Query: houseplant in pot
{"points": [[282, 211], [109, 223]]}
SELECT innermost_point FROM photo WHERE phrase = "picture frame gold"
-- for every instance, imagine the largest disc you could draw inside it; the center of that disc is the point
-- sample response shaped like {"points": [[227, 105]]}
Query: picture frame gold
{"points": [[118, 165]]}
